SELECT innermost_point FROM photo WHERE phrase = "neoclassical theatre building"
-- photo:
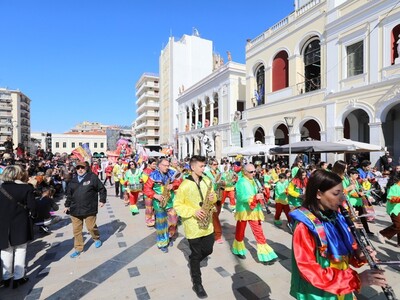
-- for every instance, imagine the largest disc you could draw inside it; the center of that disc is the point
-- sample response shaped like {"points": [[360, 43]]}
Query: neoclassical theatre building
{"points": [[333, 65], [207, 108]]}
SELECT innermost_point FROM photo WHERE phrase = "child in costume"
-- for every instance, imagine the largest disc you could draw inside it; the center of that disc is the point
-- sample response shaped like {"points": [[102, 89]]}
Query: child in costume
{"points": [[281, 201]]}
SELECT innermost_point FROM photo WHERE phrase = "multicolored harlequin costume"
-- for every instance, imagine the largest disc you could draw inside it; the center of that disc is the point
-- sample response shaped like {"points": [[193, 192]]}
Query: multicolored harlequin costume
{"points": [[393, 209], [166, 218], [228, 190], [132, 186], [148, 202], [295, 190], [249, 211], [322, 250]]}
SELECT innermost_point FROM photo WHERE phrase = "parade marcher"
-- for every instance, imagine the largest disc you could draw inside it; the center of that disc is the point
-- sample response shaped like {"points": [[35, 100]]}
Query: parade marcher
{"points": [[96, 168], [108, 172], [281, 200], [296, 166], [118, 173], [393, 209], [133, 186], [355, 196], [17, 201], [83, 193], [193, 203], [323, 246], [249, 210], [160, 187], [228, 180], [214, 174], [148, 202], [297, 188]]}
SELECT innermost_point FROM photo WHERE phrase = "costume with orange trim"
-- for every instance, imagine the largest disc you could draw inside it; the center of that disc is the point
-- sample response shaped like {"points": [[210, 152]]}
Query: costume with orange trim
{"points": [[148, 202], [166, 217], [323, 249], [393, 210], [296, 189], [249, 210]]}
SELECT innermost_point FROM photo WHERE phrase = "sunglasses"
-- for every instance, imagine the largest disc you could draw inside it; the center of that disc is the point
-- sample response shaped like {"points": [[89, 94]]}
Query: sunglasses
{"points": [[80, 167], [251, 172]]}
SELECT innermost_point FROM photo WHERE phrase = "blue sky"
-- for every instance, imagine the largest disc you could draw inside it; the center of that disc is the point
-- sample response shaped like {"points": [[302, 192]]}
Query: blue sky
{"points": [[79, 60]]}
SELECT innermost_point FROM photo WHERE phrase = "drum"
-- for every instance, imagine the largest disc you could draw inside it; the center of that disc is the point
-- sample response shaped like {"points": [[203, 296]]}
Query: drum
{"points": [[136, 187]]}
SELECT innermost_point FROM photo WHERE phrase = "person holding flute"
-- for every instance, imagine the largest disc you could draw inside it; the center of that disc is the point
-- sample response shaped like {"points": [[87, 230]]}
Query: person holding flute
{"points": [[324, 250]]}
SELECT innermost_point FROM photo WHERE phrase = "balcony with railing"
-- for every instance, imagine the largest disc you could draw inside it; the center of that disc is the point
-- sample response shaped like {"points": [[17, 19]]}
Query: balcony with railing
{"points": [[147, 123], [309, 85], [148, 105], [282, 23], [148, 94], [147, 115]]}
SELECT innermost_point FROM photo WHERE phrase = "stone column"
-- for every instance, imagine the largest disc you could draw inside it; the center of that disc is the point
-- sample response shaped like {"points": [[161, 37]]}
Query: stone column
{"points": [[196, 117], [376, 138], [211, 113]]}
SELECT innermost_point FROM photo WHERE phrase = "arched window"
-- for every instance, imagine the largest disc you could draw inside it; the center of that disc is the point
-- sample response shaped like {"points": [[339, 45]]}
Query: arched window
{"points": [[259, 135], [395, 39], [259, 93], [280, 71], [312, 66]]}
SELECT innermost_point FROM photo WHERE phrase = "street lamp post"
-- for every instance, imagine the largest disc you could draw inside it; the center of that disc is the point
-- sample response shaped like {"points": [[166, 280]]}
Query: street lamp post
{"points": [[289, 123]]}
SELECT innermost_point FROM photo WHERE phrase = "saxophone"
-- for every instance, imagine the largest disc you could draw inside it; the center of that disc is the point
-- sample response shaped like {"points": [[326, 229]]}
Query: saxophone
{"points": [[166, 192], [208, 207]]}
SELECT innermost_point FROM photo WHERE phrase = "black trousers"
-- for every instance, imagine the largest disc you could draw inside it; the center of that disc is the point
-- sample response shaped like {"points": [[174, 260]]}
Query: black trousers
{"points": [[117, 188], [201, 248], [364, 222]]}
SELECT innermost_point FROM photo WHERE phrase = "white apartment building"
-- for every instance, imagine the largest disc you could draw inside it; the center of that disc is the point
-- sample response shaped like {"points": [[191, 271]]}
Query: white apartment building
{"points": [[147, 125], [334, 66], [15, 116], [207, 109], [182, 63]]}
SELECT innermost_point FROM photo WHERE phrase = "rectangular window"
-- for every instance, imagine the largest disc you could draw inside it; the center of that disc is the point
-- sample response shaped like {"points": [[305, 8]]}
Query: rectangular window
{"points": [[101, 145], [57, 144], [80, 143], [95, 145], [72, 145], [64, 144], [355, 59]]}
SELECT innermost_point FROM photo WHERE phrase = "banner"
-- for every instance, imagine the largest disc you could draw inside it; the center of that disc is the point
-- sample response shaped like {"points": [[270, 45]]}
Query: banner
{"points": [[235, 133]]}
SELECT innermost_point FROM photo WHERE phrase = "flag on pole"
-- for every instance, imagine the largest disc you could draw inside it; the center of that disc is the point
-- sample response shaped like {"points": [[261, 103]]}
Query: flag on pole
{"points": [[83, 152]]}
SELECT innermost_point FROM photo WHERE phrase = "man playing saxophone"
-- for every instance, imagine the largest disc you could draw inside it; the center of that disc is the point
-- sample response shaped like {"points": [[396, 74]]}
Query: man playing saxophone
{"points": [[215, 175], [160, 187], [192, 197]]}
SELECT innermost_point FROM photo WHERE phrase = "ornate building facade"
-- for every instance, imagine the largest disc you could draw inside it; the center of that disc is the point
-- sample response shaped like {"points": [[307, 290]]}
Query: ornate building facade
{"points": [[333, 65], [207, 109]]}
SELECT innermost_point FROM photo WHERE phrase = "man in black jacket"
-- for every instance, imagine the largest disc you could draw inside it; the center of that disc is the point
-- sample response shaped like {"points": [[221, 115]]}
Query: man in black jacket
{"points": [[82, 203]]}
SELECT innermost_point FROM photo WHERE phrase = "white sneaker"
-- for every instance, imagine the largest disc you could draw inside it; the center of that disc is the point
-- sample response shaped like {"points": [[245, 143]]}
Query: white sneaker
{"points": [[381, 238]]}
